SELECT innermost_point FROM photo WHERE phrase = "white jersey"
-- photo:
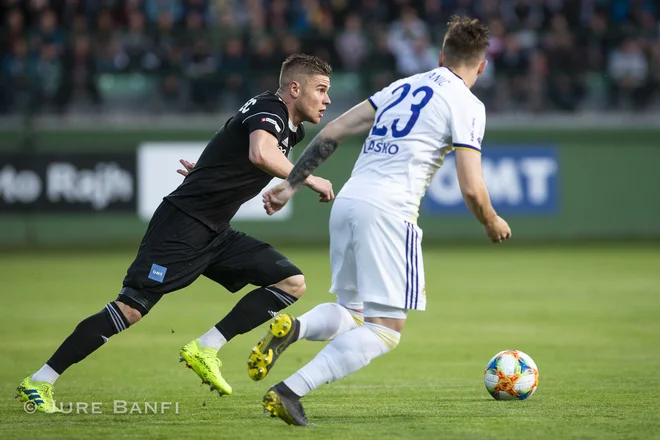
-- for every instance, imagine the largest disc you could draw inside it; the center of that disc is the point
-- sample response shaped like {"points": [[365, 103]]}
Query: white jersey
{"points": [[419, 120]]}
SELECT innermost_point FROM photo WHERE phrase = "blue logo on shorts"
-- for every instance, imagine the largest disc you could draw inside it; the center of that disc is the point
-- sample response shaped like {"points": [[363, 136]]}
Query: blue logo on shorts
{"points": [[157, 273]]}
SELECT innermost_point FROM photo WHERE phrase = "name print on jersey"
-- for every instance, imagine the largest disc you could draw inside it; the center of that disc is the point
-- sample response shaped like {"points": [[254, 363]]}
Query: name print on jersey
{"points": [[380, 146]]}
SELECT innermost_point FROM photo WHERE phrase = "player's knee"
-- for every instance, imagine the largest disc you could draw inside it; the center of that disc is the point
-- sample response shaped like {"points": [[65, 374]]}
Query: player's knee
{"points": [[387, 316], [132, 315], [294, 285], [391, 323]]}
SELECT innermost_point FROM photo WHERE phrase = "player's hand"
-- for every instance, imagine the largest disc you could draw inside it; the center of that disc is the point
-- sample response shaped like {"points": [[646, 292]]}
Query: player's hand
{"points": [[276, 197], [323, 187], [498, 230], [188, 167]]}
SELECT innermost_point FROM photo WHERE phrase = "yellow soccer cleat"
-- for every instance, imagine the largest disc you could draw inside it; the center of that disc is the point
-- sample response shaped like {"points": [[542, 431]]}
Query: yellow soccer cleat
{"points": [[284, 331], [280, 402], [36, 396], [204, 361]]}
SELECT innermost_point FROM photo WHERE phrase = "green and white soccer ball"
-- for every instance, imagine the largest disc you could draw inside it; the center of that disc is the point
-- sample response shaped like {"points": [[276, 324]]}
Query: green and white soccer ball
{"points": [[511, 375]]}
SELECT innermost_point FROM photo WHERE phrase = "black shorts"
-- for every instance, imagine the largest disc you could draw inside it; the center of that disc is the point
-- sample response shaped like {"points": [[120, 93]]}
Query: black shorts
{"points": [[177, 249]]}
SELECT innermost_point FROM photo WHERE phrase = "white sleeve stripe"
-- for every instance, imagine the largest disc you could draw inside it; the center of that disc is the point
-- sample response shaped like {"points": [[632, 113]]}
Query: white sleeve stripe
{"points": [[264, 113]]}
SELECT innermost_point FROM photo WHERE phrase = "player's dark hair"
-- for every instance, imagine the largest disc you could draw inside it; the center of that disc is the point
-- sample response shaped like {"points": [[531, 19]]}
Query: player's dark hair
{"points": [[301, 64], [466, 41]]}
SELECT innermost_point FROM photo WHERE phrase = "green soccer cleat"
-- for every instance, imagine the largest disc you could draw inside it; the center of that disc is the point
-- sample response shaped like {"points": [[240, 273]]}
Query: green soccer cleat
{"points": [[280, 402], [284, 331], [204, 361], [36, 396]]}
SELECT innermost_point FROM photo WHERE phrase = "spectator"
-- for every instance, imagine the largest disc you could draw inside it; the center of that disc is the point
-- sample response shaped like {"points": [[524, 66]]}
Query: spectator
{"points": [[156, 9], [233, 66], [352, 44], [19, 77], [172, 78], [201, 72], [380, 67], [79, 63], [628, 72], [49, 71], [264, 66], [408, 28], [419, 57], [566, 66], [12, 30]]}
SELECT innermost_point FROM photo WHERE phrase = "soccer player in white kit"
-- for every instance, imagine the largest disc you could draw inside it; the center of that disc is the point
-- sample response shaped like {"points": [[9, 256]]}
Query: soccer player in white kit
{"points": [[375, 243]]}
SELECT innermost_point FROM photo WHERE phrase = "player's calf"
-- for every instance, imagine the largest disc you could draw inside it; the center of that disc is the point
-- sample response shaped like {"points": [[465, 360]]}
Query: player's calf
{"points": [[89, 335], [352, 350], [323, 323], [258, 306], [132, 315], [250, 312]]}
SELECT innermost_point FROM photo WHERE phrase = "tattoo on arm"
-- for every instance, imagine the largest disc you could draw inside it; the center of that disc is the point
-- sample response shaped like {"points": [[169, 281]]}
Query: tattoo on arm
{"points": [[314, 155]]}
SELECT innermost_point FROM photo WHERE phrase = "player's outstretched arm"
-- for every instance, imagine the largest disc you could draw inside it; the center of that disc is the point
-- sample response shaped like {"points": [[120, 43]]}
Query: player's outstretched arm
{"points": [[266, 155], [355, 121], [475, 194]]}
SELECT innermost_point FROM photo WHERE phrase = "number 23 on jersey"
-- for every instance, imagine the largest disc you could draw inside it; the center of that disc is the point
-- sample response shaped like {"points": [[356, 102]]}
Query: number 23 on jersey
{"points": [[422, 95]]}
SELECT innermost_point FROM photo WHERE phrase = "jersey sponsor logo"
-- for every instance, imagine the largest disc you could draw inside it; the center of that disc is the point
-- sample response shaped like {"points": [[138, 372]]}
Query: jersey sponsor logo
{"points": [[519, 180], [272, 121], [157, 273], [380, 146]]}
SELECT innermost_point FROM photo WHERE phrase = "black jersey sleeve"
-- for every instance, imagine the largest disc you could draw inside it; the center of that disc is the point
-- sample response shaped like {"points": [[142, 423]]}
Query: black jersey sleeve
{"points": [[264, 115]]}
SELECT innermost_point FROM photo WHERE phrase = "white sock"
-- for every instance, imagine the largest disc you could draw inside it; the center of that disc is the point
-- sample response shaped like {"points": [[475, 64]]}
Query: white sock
{"points": [[327, 321], [46, 374], [346, 354], [212, 338]]}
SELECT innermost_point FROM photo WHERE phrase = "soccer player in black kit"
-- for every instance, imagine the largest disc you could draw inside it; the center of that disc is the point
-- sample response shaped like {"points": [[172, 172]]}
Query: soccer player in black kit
{"points": [[189, 234]]}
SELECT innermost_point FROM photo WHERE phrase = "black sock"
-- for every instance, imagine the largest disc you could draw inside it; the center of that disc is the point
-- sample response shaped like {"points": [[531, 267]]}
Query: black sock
{"points": [[88, 336], [254, 309]]}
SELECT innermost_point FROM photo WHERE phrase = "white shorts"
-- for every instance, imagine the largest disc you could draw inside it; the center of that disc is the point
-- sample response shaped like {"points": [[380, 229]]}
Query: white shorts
{"points": [[375, 255]]}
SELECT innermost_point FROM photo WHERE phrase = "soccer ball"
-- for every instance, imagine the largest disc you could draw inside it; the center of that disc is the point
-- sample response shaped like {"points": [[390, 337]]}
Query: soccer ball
{"points": [[511, 375]]}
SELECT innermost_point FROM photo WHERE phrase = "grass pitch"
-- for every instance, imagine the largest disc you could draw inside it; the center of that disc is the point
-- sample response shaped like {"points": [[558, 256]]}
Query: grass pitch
{"points": [[589, 317]]}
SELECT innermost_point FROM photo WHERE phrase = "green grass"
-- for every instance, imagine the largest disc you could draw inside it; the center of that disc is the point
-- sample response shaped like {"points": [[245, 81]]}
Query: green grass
{"points": [[589, 318]]}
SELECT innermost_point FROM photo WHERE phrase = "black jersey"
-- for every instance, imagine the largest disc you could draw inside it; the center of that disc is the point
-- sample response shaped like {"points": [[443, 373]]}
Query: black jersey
{"points": [[224, 178]]}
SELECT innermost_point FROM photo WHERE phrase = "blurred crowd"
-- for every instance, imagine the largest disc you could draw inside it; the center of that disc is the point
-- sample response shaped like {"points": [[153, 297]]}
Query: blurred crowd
{"points": [[201, 55]]}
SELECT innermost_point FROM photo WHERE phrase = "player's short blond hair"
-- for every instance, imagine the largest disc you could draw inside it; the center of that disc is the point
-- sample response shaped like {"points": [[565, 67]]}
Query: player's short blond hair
{"points": [[465, 43], [298, 66]]}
